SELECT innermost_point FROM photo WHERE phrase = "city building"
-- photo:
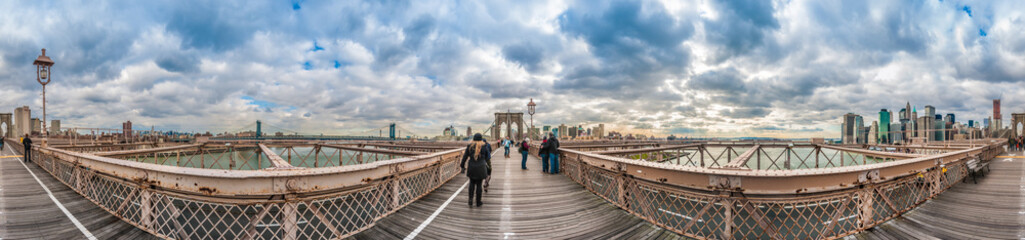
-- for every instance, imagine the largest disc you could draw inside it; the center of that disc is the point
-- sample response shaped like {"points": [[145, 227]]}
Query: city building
{"points": [[950, 118], [897, 134], [884, 126], [873, 133], [850, 128], [35, 126], [996, 123], [904, 112], [562, 131], [55, 127], [126, 128], [22, 121]]}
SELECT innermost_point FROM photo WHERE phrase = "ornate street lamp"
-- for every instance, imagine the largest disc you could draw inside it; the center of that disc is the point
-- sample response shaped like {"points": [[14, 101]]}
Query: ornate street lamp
{"points": [[43, 64], [530, 110]]}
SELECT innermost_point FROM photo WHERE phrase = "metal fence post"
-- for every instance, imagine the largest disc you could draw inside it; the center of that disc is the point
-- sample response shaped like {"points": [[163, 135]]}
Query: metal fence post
{"points": [[290, 223], [865, 202]]}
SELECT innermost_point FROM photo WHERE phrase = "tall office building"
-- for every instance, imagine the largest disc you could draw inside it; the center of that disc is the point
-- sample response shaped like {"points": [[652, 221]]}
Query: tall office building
{"points": [[884, 126], [996, 123], [949, 118], [847, 129], [930, 110], [55, 127], [996, 109], [562, 131], [873, 133], [36, 126], [859, 123], [22, 121], [907, 112]]}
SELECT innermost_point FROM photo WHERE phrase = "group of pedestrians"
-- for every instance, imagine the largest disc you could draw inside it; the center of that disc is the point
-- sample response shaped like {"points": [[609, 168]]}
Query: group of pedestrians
{"points": [[1016, 143], [476, 161], [549, 153]]}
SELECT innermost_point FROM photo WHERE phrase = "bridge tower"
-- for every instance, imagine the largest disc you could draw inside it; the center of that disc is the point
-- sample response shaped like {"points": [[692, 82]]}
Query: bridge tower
{"points": [[391, 131], [259, 132]]}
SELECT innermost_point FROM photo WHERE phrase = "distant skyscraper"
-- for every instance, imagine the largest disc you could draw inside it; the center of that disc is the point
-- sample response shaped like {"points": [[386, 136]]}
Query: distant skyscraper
{"points": [[847, 130], [971, 123], [907, 112], [469, 132], [996, 109], [884, 126], [950, 118], [996, 124], [873, 133], [930, 110], [859, 124]]}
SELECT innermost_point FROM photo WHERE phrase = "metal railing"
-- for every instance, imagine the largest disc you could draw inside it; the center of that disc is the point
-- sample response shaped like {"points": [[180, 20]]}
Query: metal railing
{"points": [[276, 203], [735, 202]]}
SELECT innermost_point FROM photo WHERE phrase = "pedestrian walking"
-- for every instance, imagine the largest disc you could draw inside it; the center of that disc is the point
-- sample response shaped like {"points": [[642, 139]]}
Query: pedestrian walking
{"points": [[475, 165], [2, 139], [524, 151], [553, 154], [506, 143], [487, 180], [27, 142], [543, 152]]}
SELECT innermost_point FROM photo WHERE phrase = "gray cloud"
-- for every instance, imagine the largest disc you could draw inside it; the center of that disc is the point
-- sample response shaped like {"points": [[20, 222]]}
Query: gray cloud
{"points": [[427, 64]]}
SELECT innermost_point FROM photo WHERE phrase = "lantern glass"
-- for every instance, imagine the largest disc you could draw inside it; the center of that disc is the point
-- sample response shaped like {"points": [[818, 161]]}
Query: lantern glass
{"points": [[44, 73]]}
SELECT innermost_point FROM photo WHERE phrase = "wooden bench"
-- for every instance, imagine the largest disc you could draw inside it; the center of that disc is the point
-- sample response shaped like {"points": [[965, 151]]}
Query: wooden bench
{"points": [[976, 168]]}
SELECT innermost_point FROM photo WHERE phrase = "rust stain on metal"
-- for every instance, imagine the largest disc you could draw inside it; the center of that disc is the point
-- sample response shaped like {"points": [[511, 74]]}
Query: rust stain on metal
{"points": [[208, 191]]}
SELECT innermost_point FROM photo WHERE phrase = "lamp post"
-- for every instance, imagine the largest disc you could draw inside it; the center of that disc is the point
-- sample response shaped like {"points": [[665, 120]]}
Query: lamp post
{"points": [[43, 64], [530, 110]]}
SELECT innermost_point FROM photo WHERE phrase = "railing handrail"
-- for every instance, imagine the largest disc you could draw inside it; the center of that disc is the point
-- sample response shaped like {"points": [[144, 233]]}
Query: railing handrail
{"points": [[228, 183], [794, 181]]}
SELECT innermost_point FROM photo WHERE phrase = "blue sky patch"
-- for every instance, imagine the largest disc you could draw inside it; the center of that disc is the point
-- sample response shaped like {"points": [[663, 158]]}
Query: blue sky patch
{"points": [[316, 47], [259, 103], [982, 32], [968, 10], [307, 65]]}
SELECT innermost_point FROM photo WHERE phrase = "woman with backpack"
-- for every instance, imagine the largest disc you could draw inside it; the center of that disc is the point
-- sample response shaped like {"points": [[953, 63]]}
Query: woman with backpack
{"points": [[524, 151], [475, 165]]}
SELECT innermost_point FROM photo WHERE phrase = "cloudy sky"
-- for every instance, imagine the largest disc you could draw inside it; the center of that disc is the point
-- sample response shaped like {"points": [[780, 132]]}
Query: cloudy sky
{"points": [[694, 68]]}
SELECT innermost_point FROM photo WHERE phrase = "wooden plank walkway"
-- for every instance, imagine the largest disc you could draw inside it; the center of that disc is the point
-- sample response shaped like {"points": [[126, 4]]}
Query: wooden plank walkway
{"points": [[992, 209], [524, 204], [27, 212]]}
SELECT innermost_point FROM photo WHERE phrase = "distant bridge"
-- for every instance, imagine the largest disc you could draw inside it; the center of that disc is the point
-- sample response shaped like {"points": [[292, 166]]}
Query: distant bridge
{"points": [[315, 189]]}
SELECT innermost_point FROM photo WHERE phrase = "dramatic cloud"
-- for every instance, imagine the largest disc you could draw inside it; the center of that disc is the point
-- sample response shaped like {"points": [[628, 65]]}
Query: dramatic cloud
{"points": [[693, 68]]}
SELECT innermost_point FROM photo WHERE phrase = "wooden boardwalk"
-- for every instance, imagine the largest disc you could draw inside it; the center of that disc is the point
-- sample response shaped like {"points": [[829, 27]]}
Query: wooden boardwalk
{"points": [[27, 212], [523, 204], [992, 209]]}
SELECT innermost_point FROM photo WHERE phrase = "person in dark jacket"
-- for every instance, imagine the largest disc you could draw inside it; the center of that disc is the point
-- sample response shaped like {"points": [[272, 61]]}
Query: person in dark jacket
{"points": [[27, 142], [475, 164], [543, 152], [524, 151], [553, 154]]}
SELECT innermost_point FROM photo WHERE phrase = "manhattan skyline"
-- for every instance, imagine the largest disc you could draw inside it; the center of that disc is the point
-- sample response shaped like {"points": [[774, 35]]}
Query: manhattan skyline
{"points": [[690, 68]]}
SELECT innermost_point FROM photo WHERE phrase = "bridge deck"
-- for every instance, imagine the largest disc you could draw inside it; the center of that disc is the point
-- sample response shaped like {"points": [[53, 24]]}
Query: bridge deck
{"points": [[992, 209], [26, 210], [519, 204]]}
